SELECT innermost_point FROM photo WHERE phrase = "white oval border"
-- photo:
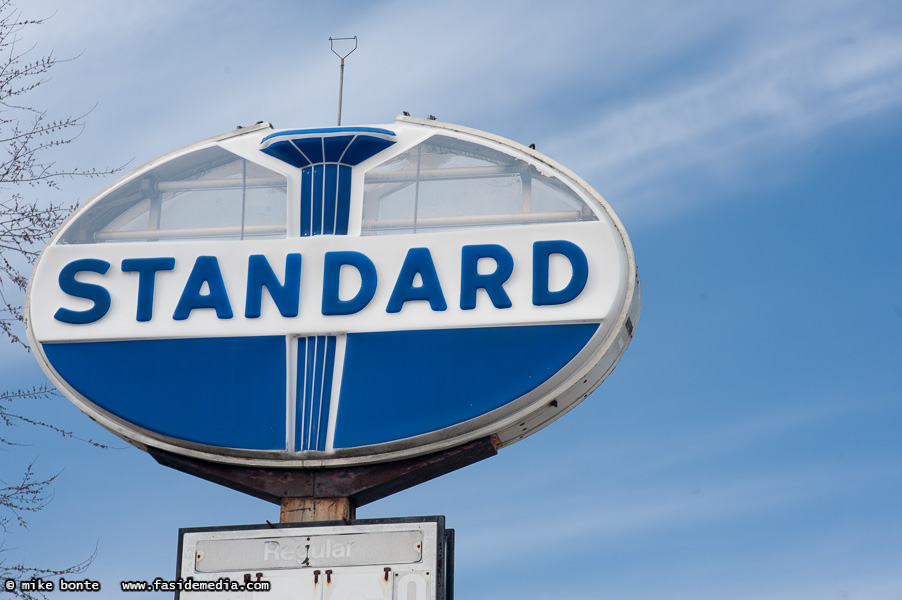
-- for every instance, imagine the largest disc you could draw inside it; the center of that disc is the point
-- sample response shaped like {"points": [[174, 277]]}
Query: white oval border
{"points": [[510, 423]]}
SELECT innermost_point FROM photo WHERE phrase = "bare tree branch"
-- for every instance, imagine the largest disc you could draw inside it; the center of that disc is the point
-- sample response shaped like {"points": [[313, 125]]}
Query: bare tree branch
{"points": [[29, 139], [29, 136], [20, 572]]}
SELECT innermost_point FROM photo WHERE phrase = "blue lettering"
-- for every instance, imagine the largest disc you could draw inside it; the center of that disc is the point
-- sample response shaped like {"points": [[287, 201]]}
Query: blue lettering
{"points": [[417, 281], [260, 274], [493, 283], [541, 256], [147, 270], [206, 270], [96, 293], [418, 261], [332, 264]]}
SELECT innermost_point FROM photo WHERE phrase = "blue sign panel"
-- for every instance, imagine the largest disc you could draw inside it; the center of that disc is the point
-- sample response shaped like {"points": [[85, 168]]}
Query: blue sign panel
{"points": [[335, 296]]}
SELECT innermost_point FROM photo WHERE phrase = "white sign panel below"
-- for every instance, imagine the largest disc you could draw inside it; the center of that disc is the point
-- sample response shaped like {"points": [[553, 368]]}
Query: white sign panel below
{"points": [[397, 559]]}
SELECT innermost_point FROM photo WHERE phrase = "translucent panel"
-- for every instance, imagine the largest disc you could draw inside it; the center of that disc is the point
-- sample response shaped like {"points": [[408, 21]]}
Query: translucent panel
{"points": [[210, 193], [445, 183]]}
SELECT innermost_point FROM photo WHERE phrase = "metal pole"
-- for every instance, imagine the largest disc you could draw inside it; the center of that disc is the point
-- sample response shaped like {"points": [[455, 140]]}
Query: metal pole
{"points": [[341, 87], [341, 78]]}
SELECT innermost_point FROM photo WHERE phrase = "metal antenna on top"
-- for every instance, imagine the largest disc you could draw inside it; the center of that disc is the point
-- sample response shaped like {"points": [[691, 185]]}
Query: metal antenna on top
{"points": [[341, 80]]}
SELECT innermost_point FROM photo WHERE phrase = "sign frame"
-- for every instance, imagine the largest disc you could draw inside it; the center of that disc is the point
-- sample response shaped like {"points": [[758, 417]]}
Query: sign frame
{"points": [[437, 539], [508, 423]]}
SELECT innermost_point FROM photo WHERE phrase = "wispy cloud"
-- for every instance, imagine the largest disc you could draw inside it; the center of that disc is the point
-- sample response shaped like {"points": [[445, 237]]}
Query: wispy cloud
{"points": [[787, 76], [630, 99], [666, 507]]}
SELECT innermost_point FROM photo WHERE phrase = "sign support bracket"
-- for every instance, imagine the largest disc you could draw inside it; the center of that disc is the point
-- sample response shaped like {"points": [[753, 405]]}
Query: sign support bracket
{"points": [[331, 494]]}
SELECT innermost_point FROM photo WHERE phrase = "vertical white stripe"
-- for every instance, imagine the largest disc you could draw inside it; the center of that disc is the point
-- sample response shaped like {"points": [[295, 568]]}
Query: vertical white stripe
{"points": [[299, 435], [322, 386], [312, 195], [291, 390], [309, 401], [322, 210], [337, 196], [338, 368]]}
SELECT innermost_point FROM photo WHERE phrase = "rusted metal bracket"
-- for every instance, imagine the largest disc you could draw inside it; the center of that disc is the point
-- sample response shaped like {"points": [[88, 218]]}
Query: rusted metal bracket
{"points": [[360, 485]]}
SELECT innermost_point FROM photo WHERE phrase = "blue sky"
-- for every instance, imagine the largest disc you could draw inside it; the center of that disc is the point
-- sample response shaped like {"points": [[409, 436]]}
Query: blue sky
{"points": [[747, 446]]}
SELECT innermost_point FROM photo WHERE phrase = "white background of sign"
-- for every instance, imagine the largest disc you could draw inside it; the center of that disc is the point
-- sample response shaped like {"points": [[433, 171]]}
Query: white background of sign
{"points": [[601, 297], [747, 445]]}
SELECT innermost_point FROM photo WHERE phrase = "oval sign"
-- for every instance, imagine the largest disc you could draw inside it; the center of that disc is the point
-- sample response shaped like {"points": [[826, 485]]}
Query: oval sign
{"points": [[347, 295]]}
